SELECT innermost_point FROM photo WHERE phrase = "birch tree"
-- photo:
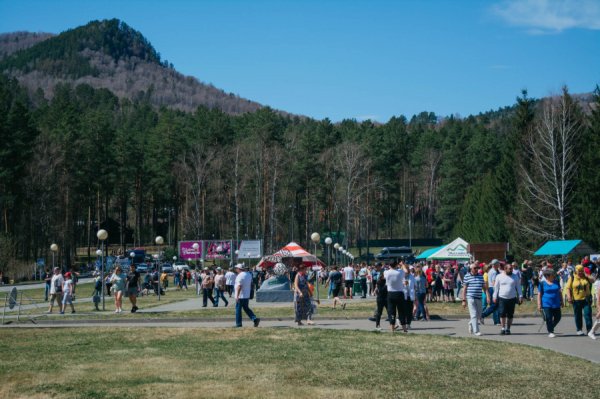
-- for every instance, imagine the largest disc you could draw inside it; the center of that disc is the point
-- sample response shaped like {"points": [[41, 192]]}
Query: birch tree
{"points": [[550, 170]]}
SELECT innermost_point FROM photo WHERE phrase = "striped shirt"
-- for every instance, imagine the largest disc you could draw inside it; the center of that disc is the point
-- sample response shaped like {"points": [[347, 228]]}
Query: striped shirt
{"points": [[474, 285]]}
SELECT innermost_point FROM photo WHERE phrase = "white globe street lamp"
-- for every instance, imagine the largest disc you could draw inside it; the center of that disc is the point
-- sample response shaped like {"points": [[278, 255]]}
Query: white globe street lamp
{"points": [[102, 236], [54, 249], [159, 240], [196, 247], [328, 242], [316, 238]]}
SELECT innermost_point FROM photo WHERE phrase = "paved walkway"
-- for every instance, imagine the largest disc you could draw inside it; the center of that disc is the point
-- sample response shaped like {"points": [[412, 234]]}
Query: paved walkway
{"points": [[524, 331]]}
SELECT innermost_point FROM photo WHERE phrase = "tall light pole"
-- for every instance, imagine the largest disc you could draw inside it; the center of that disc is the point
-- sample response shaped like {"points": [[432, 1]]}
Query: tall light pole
{"points": [[328, 242], [196, 247], [336, 246], [316, 237], [341, 250], [102, 236], [159, 241], [409, 207], [54, 249]]}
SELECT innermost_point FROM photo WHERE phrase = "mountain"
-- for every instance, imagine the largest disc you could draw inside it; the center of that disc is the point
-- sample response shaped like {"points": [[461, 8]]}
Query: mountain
{"points": [[13, 42], [109, 54]]}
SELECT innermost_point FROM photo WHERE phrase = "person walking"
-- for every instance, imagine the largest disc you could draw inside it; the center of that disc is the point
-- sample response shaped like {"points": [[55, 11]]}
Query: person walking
{"points": [[220, 287], [449, 284], [56, 286], [133, 286], [67, 293], [243, 290], [550, 300], [473, 288], [335, 282], [348, 272], [596, 326], [118, 280], [362, 277], [492, 308], [229, 282], [421, 294], [507, 291], [579, 288], [208, 283], [48, 282], [302, 297], [381, 295], [395, 286], [409, 295]]}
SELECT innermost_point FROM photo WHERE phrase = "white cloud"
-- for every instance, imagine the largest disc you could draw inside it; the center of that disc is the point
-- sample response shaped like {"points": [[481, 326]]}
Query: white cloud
{"points": [[550, 16]]}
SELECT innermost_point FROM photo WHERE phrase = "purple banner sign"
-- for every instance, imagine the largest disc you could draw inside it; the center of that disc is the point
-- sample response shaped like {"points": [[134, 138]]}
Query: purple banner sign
{"points": [[187, 251]]}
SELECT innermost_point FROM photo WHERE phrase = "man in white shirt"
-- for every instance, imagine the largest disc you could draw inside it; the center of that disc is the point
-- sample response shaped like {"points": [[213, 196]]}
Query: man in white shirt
{"points": [[56, 285], [507, 291], [229, 282], [348, 272], [394, 280], [243, 288]]}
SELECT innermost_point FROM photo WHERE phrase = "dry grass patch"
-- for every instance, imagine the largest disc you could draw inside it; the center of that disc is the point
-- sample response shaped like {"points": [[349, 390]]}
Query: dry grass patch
{"points": [[269, 363]]}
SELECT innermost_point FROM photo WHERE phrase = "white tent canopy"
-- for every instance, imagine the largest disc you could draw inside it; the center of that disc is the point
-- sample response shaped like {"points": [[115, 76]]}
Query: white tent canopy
{"points": [[456, 250]]}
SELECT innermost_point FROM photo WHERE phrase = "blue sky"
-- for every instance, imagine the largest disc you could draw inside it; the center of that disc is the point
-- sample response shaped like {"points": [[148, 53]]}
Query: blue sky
{"points": [[357, 59]]}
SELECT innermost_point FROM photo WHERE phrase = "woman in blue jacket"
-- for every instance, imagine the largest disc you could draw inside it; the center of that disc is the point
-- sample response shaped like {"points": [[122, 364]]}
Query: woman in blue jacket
{"points": [[550, 300]]}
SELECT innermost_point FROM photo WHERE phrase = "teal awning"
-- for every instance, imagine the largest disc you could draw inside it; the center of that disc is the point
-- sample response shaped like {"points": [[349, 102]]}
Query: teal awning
{"points": [[427, 253], [564, 247]]}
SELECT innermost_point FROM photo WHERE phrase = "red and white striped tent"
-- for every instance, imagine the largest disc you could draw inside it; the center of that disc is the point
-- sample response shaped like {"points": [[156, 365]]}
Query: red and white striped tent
{"points": [[292, 250]]}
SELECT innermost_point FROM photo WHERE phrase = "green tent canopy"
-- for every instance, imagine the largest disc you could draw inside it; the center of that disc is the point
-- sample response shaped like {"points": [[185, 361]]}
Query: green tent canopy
{"points": [[564, 247]]}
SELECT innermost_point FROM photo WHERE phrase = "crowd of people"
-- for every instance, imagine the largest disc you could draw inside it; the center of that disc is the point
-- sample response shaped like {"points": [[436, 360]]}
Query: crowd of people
{"points": [[403, 290], [486, 289]]}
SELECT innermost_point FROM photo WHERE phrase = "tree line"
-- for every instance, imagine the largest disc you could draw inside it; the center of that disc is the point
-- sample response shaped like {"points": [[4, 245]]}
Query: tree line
{"points": [[87, 160]]}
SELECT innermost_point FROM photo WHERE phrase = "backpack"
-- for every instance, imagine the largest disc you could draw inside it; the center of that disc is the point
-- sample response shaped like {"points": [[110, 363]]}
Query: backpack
{"points": [[57, 286]]}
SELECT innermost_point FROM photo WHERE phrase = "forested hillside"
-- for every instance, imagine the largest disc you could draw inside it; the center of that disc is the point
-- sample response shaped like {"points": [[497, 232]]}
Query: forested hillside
{"points": [[110, 54], [88, 157]]}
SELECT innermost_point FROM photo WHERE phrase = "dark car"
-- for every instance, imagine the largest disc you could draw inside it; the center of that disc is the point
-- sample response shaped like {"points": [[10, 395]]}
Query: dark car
{"points": [[395, 253]]}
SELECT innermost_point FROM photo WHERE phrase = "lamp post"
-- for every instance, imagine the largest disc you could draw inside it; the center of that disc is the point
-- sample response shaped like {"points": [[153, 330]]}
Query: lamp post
{"points": [[328, 242], [54, 249], [336, 246], [409, 207], [102, 236], [159, 241], [341, 250], [316, 237], [196, 247]]}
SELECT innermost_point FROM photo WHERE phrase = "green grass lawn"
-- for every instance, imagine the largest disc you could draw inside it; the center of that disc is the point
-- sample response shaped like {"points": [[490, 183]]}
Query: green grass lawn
{"points": [[279, 363]]}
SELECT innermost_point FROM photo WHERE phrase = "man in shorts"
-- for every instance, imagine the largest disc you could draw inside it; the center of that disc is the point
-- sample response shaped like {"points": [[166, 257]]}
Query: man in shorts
{"points": [[56, 285], [133, 286], [335, 279], [507, 292], [348, 281]]}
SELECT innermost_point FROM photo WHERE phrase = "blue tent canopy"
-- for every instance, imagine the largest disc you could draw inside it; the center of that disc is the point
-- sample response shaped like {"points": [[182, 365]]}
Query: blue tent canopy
{"points": [[427, 253], [565, 247]]}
